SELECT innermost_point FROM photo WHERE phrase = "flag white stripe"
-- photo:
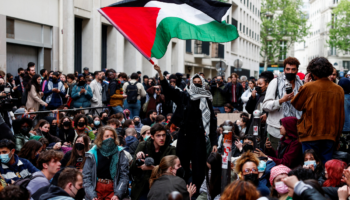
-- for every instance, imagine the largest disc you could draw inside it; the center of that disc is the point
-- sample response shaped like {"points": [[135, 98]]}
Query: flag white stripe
{"points": [[183, 11]]}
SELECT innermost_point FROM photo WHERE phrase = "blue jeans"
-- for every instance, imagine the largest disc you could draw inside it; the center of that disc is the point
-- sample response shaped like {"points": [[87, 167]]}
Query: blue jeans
{"points": [[222, 109], [133, 107], [117, 109], [324, 148]]}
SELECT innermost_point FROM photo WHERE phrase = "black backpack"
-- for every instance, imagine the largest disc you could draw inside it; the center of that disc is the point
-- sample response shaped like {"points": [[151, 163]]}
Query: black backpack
{"points": [[131, 92], [24, 182]]}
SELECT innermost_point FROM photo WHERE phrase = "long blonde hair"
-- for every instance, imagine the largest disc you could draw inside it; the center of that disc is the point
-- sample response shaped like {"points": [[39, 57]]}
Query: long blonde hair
{"points": [[161, 169]]}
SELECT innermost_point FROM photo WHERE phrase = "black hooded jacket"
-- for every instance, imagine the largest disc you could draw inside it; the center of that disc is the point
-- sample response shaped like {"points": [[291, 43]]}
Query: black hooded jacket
{"points": [[54, 191]]}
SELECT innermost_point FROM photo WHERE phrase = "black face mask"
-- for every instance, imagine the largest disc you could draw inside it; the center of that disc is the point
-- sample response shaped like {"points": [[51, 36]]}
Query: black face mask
{"points": [[180, 172], [105, 119], [53, 127], [258, 89], [153, 118], [79, 146], [66, 123], [137, 123], [248, 147], [25, 130], [81, 124], [290, 76], [198, 85], [81, 83], [54, 80], [80, 194], [22, 75], [10, 80], [252, 178]]}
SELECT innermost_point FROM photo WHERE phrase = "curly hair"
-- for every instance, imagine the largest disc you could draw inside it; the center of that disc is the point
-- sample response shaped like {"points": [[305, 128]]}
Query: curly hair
{"points": [[246, 157], [291, 61], [240, 190], [320, 67], [14, 192]]}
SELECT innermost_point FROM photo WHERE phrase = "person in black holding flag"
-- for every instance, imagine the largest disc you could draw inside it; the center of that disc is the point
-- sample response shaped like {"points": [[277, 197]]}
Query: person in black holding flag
{"points": [[195, 117]]}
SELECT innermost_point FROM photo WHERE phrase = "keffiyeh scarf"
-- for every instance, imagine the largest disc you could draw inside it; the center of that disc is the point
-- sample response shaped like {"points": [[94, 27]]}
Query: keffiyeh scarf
{"points": [[288, 108], [202, 94]]}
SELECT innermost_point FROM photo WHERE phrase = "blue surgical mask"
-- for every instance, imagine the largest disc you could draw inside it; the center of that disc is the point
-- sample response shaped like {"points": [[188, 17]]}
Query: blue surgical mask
{"points": [[146, 137], [310, 162], [5, 158], [262, 166], [122, 81], [97, 123]]}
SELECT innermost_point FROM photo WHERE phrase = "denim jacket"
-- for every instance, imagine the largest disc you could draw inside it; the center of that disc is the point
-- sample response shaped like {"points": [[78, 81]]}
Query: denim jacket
{"points": [[121, 180]]}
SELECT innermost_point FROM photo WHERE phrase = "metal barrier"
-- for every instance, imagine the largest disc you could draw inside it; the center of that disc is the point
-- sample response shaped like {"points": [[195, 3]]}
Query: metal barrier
{"points": [[66, 110]]}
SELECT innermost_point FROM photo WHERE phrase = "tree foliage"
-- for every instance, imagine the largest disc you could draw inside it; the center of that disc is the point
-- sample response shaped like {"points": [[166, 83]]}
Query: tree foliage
{"points": [[339, 32], [282, 21]]}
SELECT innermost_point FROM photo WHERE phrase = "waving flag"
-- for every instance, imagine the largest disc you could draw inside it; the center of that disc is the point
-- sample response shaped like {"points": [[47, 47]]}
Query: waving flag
{"points": [[150, 24]]}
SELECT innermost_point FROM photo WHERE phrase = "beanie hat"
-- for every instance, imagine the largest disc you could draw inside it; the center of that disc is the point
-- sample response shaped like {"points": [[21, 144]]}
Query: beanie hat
{"points": [[277, 170], [144, 129]]}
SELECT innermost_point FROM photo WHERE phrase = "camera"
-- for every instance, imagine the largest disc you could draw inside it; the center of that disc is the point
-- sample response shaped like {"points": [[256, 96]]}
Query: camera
{"points": [[7, 103], [289, 89], [148, 162]]}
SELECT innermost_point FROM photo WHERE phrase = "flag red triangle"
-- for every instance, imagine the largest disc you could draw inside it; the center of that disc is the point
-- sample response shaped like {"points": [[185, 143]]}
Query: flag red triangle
{"points": [[137, 24]]}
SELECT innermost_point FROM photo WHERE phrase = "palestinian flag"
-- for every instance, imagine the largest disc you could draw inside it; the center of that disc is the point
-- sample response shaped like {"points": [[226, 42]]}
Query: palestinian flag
{"points": [[150, 24]]}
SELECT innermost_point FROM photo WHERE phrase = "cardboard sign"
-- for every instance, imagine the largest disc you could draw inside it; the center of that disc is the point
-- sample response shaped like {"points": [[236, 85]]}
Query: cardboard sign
{"points": [[222, 117]]}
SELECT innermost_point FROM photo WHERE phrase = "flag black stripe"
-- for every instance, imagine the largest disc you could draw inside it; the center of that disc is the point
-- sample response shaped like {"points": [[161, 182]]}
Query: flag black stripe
{"points": [[214, 9]]}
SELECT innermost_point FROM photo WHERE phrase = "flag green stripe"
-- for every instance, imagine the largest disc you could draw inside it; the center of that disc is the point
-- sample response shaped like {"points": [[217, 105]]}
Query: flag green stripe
{"points": [[173, 27]]}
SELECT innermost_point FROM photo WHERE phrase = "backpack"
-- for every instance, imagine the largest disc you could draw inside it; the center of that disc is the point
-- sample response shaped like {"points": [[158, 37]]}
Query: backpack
{"points": [[132, 93], [23, 183]]}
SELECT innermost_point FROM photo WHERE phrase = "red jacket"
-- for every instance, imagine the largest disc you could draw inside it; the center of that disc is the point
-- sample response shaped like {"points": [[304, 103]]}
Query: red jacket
{"points": [[290, 149]]}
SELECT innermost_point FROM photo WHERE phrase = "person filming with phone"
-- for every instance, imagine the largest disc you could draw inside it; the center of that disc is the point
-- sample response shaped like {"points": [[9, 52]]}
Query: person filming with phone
{"points": [[280, 92]]}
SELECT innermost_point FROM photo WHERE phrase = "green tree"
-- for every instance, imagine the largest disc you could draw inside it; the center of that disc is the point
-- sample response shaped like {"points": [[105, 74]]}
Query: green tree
{"points": [[283, 24], [339, 32]]}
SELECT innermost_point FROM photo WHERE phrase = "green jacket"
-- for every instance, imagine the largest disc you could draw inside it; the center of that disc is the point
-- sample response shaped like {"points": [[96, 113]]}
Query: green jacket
{"points": [[140, 178], [219, 97]]}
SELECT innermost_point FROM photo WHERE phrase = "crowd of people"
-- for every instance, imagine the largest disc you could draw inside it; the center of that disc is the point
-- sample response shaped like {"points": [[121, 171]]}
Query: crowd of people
{"points": [[107, 135]]}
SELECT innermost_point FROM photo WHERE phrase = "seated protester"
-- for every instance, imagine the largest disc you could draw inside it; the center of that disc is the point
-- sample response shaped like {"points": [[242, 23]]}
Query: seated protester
{"points": [[247, 166], [76, 157], [14, 192], [333, 173], [31, 151], [211, 187], [127, 124], [96, 124], [114, 123], [66, 131], [138, 124], [130, 137], [240, 190], [13, 167], [168, 117], [150, 119], [43, 128], [104, 118], [106, 168], [119, 116], [145, 134], [290, 150], [155, 147], [126, 114], [279, 189], [160, 119], [54, 127], [48, 164], [242, 125], [70, 182], [81, 93], [264, 169], [81, 127], [303, 190], [22, 130], [248, 145], [228, 108], [163, 180], [313, 162]]}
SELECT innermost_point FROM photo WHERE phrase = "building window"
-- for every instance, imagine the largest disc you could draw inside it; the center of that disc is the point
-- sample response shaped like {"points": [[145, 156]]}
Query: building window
{"points": [[247, 3], [188, 46], [283, 50], [244, 2], [247, 30], [346, 65], [234, 22], [10, 28], [104, 47], [243, 28], [240, 26], [250, 6], [253, 8]]}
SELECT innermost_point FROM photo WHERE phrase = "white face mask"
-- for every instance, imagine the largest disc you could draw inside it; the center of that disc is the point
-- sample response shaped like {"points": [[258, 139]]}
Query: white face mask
{"points": [[123, 121]]}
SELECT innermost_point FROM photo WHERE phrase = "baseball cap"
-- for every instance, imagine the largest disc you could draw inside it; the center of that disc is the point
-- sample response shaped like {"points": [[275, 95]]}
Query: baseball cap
{"points": [[85, 68]]}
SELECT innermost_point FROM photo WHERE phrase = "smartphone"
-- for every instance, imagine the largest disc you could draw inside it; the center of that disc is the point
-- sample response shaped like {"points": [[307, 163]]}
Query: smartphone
{"points": [[7, 90], [289, 90]]}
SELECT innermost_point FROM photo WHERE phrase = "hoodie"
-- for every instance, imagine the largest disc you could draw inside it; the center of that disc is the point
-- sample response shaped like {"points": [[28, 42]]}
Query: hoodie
{"points": [[55, 193], [290, 149], [129, 140]]}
